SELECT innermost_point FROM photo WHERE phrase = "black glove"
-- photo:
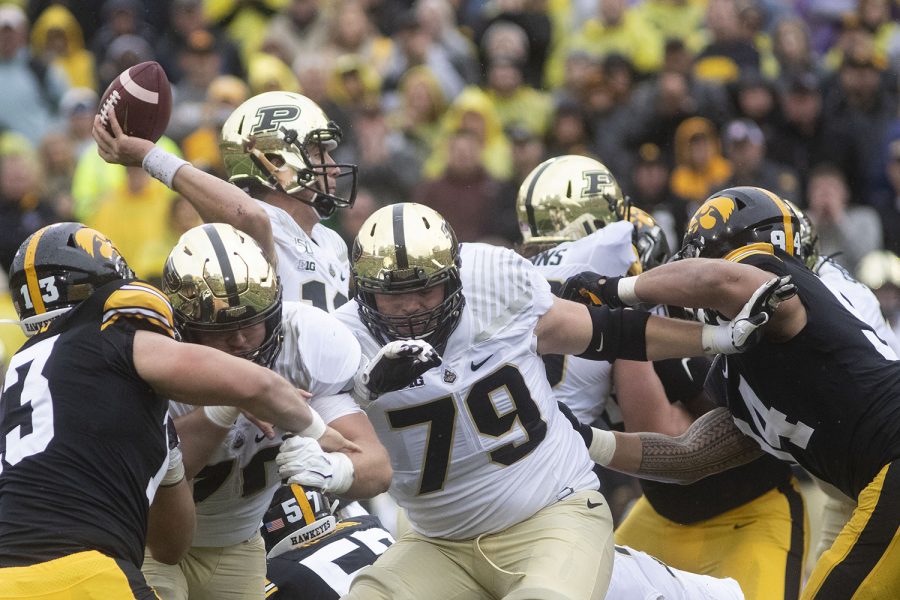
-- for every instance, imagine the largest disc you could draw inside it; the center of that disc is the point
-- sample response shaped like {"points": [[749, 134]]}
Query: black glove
{"points": [[592, 289], [394, 367]]}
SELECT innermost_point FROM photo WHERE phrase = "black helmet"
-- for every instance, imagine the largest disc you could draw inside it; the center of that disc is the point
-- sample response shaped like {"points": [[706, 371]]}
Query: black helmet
{"points": [[296, 516], [57, 267], [737, 217]]}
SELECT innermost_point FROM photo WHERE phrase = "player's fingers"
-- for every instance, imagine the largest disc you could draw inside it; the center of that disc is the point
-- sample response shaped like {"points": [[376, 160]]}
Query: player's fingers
{"points": [[114, 124]]}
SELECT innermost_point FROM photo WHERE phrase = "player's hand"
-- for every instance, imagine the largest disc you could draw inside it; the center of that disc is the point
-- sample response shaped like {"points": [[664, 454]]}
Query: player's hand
{"points": [[395, 366], [333, 441], [302, 460], [592, 289], [745, 329], [116, 147]]}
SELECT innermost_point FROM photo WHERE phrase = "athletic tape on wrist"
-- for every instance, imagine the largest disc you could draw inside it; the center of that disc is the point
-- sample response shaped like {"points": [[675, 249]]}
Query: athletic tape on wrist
{"points": [[162, 165], [626, 292], [314, 430], [223, 416]]}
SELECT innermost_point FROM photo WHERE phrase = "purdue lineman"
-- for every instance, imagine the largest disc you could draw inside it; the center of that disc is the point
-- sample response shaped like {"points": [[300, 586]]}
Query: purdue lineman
{"points": [[226, 295], [485, 464]]}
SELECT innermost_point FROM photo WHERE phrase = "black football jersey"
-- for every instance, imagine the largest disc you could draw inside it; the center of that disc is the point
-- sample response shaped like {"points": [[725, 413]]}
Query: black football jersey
{"points": [[829, 398], [83, 442], [323, 569]]}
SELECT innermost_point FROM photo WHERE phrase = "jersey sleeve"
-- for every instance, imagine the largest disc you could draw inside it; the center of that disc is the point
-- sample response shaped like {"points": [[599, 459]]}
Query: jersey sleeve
{"points": [[503, 289], [611, 251], [140, 306], [328, 351]]}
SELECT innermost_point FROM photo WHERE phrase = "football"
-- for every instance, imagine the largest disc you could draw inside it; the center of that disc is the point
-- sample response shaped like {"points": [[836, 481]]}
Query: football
{"points": [[142, 99]]}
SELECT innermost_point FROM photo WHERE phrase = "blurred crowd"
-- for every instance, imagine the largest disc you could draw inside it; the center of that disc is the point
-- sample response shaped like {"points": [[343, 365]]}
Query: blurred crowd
{"points": [[452, 102]]}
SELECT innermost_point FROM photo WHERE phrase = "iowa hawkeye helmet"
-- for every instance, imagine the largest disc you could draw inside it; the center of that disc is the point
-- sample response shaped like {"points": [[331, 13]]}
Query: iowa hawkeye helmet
{"points": [[403, 248], [59, 266], [649, 238], [278, 140], [218, 279], [297, 516], [566, 198], [737, 217], [808, 250]]}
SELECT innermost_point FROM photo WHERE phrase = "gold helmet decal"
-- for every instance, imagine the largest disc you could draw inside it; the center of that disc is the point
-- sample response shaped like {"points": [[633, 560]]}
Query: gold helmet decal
{"points": [[715, 210], [95, 243]]}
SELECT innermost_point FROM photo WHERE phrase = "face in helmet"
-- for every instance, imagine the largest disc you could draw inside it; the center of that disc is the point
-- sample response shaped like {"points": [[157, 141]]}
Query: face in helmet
{"points": [[737, 217], [282, 141], [649, 239], [224, 293], [59, 266], [566, 198], [808, 250], [297, 516], [405, 265]]}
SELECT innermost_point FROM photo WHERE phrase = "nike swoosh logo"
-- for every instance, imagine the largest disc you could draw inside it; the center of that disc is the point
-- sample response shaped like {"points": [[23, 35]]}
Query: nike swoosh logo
{"points": [[259, 437], [687, 369], [600, 347], [476, 366], [593, 505], [742, 525]]}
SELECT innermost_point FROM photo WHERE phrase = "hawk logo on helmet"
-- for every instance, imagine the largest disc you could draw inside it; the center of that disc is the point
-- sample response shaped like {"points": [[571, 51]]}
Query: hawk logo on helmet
{"points": [[268, 118], [713, 211], [94, 243]]}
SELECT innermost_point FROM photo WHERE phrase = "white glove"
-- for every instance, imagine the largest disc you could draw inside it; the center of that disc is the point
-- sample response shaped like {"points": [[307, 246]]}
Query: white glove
{"points": [[396, 366], [301, 460], [745, 329]]}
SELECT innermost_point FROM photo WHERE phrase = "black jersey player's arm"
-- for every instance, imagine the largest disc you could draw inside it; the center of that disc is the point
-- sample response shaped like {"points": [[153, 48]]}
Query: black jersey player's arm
{"points": [[719, 284], [194, 374], [712, 444], [216, 200], [170, 525]]}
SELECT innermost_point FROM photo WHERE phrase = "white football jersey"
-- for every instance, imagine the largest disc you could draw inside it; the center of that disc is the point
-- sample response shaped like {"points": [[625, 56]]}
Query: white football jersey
{"points": [[847, 289], [234, 489], [312, 269], [584, 385], [478, 443], [639, 576]]}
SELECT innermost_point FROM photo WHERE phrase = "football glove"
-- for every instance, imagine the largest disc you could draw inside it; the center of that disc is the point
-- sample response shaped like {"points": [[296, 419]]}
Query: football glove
{"points": [[301, 460], [396, 366], [592, 289], [745, 329]]}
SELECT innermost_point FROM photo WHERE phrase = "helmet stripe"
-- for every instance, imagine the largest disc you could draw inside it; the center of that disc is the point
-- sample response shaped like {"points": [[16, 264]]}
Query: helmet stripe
{"points": [[34, 289], [399, 236], [529, 208], [303, 503], [788, 224], [224, 263]]}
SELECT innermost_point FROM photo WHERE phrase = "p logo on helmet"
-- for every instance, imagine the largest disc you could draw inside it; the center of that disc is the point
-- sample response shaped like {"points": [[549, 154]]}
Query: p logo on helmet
{"points": [[268, 118]]}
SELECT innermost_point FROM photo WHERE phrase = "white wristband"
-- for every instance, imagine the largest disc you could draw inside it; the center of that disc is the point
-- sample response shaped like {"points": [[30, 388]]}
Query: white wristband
{"points": [[175, 470], [716, 339], [162, 165], [625, 289], [603, 446], [223, 416], [342, 474], [314, 430]]}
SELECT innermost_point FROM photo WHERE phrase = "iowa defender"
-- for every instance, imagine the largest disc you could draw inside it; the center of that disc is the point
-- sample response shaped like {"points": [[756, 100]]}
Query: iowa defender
{"points": [[83, 441], [490, 472], [821, 389], [748, 522]]}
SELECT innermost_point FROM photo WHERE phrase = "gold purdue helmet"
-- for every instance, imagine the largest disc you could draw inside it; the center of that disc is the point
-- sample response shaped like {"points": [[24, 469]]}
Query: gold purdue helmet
{"points": [[808, 250], [566, 198], [278, 140], [403, 248], [218, 279]]}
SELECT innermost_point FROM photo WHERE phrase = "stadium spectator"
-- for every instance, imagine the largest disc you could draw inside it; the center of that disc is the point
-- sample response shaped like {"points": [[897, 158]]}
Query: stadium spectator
{"points": [[515, 101], [792, 48], [56, 39], [650, 190], [700, 167], [420, 106], [77, 108], [201, 62], [201, 147], [351, 32], [123, 52], [745, 147], [439, 21], [119, 18], [730, 49], [23, 209], [524, 32], [299, 29]]}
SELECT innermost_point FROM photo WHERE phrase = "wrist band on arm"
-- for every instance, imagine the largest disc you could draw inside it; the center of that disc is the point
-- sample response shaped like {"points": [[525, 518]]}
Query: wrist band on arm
{"points": [[223, 416], [626, 292], [314, 430], [162, 165], [603, 446]]}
